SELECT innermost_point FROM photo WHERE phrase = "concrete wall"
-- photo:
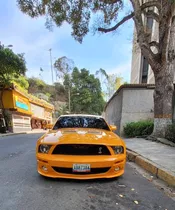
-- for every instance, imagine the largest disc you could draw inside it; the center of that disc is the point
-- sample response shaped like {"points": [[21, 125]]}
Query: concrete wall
{"points": [[113, 111], [137, 105], [129, 105]]}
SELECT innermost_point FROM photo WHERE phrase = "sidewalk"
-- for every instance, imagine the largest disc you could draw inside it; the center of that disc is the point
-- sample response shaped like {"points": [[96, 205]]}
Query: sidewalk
{"points": [[154, 157]]}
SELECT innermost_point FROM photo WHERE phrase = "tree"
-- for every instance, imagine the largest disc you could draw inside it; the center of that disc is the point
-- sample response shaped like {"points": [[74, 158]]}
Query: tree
{"points": [[64, 67], [12, 66], [109, 82], [86, 94], [159, 53]]}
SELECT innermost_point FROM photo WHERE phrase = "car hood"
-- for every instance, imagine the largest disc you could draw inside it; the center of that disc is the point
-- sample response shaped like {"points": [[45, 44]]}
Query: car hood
{"points": [[80, 136]]}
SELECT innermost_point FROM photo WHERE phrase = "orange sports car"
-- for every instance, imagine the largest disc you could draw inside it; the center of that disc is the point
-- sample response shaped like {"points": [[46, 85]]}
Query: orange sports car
{"points": [[81, 147]]}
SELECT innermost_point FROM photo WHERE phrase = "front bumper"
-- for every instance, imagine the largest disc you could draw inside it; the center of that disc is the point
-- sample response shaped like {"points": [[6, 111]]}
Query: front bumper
{"points": [[115, 163]]}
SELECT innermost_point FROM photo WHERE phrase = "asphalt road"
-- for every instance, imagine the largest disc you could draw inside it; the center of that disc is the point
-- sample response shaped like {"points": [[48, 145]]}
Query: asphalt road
{"points": [[21, 188]]}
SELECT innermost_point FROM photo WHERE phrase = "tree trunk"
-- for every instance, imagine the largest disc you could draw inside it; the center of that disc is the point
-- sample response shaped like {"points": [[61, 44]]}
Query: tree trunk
{"points": [[164, 88], [163, 100], [3, 129]]}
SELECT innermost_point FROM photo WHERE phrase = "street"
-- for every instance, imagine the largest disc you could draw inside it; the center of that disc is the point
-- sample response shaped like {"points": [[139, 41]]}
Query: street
{"points": [[22, 188]]}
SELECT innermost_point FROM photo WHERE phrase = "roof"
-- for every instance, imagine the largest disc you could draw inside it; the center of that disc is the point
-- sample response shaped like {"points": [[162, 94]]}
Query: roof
{"points": [[132, 86], [32, 98], [81, 115]]}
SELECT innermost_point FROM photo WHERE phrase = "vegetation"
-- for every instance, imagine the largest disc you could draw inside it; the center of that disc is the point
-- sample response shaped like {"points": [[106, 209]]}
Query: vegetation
{"points": [[86, 95], [50, 93], [110, 83], [22, 82], [141, 128], [159, 52], [170, 133], [80, 89], [12, 66]]}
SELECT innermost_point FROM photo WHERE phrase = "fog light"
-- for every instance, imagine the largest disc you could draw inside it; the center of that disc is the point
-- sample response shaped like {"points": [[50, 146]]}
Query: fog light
{"points": [[117, 169], [44, 168]]}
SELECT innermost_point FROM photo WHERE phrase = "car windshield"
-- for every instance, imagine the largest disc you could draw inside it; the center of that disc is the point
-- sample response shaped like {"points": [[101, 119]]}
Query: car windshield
{"points": [[81, 122]]}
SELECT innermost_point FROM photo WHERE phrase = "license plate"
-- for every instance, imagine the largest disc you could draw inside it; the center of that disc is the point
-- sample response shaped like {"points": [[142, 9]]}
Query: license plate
{"points": [[81, 168]]}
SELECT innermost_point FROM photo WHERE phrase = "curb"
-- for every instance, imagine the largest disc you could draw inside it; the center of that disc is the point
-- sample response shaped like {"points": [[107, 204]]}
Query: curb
{"points": [[151, 167], [12, 134]]}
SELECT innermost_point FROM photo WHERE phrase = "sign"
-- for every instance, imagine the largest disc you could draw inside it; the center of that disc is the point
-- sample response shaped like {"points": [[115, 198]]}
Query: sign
{"points": [[21, 103], [37, 111]]}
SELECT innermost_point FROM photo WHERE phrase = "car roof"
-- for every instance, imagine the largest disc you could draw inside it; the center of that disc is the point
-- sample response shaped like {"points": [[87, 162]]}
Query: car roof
{"points": [[81, 115]]}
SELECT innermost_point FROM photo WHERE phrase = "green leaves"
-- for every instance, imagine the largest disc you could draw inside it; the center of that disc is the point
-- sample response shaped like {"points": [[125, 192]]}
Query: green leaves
{"points": [[77, 13], [86, 95], [11, 66]]}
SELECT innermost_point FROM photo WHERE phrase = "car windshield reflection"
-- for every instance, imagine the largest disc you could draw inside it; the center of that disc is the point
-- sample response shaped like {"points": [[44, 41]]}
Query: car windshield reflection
{"points": [[81, 122]]}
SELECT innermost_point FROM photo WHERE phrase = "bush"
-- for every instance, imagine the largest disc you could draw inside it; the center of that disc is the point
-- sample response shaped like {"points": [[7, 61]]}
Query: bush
{"points": [[141, 128], [170, 133]]}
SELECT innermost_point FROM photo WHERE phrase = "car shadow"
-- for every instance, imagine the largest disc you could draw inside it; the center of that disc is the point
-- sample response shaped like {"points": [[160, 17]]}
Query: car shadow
{"points": [[77, 181]]}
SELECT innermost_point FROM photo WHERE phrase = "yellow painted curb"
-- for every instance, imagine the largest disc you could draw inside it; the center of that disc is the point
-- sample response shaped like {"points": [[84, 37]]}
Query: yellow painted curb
{"points": [[152, 167], [166, 176], [131, 156], [146, 164]]}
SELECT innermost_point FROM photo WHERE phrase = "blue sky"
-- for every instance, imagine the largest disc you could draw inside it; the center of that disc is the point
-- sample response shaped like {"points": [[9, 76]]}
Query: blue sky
{"points": [[111, 52]]}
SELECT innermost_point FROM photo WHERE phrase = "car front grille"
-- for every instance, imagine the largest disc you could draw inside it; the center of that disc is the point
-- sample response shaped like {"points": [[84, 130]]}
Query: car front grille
{"points": [[80, 149], [70, 171]]}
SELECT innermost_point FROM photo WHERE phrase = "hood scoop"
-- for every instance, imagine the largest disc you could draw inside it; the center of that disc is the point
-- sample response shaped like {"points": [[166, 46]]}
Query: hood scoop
{"points": [[94, 132], [69, 131]]}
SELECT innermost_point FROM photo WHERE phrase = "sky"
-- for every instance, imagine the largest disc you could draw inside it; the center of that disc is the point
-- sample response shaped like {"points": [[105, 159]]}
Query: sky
{"points": [[111, 51]]}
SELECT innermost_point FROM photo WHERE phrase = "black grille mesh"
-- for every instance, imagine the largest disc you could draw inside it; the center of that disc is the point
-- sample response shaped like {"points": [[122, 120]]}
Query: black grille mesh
{"points": [[80, 149], [70, 171]]}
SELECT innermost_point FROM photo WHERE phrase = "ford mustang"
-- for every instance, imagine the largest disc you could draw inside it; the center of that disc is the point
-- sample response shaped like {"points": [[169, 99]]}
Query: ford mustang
{"points": [[81, 147]]}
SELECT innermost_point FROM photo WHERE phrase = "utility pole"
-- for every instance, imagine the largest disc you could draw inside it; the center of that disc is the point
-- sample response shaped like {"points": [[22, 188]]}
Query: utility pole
{"points": [[69, 99], [51, 64]]}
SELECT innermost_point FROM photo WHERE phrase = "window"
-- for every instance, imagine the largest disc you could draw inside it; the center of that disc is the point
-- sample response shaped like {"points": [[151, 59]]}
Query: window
{"points": [[144, 70], [81, 122], [149, 23]]}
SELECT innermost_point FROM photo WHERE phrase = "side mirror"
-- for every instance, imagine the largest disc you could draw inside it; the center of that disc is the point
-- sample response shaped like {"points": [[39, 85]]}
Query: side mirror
{"points": [[113, 127]]}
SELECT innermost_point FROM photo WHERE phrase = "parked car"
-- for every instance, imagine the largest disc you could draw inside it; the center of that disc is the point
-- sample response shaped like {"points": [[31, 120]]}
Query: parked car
{"points": [[81, 147]]}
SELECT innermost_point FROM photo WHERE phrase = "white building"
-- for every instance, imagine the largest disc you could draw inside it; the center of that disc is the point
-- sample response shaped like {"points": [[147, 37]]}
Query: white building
{"points": [[141, 72]]}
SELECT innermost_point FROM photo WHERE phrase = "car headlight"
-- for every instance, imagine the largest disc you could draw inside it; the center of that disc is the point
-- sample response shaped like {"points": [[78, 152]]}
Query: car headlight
{"points": [[44, 148], [118, 149]]}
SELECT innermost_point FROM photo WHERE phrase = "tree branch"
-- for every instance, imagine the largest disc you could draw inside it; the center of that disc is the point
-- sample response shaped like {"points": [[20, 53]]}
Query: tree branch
{"points": [[151, 4], [164, 24], [126, 18], [142, 36]]}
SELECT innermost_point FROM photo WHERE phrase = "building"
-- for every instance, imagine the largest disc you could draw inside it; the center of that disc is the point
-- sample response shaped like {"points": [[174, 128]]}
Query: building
{"points": [[24, 111], [141, 71]]}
